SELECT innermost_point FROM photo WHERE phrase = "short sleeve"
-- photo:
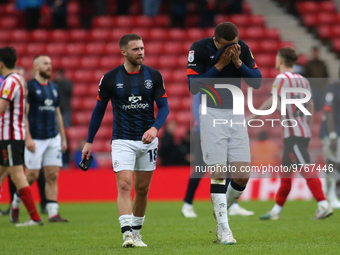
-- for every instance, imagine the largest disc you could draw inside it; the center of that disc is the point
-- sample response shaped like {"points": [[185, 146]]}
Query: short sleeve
{"points": [[9, 89], [278, 83], [104, 92], [198, 60], [159, 89]]}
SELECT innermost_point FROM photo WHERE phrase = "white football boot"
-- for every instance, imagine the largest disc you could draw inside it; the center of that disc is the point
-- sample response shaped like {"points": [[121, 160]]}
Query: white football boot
{"points": [[128, 240]]}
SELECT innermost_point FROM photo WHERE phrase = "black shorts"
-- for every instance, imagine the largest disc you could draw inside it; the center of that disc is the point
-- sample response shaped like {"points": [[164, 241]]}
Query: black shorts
{"points": [[12, 152], [295, 151]]}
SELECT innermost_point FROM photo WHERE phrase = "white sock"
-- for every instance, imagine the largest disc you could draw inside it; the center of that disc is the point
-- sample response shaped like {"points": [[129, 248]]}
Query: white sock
{"points": [[52, 209], [186, 205], [219, 202], [276, 209], [137, 222], [323, 204], [16, 201], [232, 195], [125, 220]]}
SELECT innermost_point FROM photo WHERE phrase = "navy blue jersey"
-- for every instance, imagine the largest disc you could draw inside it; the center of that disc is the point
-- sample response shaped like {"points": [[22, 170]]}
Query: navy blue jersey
{"points": [[203, 54], [43, 100], [132, 97], [332, 104]]}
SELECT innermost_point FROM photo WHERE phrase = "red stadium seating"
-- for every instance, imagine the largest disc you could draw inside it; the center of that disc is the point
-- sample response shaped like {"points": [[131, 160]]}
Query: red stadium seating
{"points": [[8, 22], [307, 7], [19, 36]]}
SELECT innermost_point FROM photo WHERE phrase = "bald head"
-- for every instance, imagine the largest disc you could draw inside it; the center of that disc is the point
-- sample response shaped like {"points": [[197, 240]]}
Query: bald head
{"points": [[43, 66]]}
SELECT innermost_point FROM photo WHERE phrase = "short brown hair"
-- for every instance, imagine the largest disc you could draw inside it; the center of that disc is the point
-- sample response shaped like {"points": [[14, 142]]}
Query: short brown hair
{"points": [[127, 38], [289, 56], [8, 56], [226, 30]]}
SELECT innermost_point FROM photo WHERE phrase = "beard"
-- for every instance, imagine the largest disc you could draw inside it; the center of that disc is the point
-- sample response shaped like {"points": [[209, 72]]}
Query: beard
{"points": [[135, 62], [45, 74]]}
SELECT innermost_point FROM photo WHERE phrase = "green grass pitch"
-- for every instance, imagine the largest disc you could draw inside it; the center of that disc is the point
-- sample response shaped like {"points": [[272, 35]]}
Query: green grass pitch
{"points": [[94, 229]]}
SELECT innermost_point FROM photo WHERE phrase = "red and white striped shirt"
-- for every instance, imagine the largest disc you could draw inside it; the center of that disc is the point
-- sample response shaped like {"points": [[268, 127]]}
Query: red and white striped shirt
{"points": [[12, 120], [295, 123]]}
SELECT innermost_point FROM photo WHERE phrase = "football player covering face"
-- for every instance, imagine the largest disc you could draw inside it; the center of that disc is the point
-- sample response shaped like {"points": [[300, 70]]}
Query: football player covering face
{"points": [[134, 54]]}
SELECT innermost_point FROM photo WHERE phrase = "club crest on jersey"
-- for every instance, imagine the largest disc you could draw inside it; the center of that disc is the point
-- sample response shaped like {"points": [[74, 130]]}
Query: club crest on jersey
{"points": [[38, 92], [191, 56], [148, 84]]}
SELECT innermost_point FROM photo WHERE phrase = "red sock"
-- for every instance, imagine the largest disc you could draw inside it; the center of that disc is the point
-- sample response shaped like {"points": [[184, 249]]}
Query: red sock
{"points": [[283, 192], [27, 198], [315, 186]]}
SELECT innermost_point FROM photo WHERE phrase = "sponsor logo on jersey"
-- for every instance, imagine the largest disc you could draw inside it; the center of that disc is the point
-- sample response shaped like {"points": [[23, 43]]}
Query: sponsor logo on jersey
{"points": [[136, 103], [6, 92], [148, 84], [191, 56], [119, 85], [48, 105]]}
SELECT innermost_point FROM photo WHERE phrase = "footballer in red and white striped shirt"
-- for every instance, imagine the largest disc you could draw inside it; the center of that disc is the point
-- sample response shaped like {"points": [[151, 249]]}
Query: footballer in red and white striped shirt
{"points": [[12, 120], [297, 122], [297, 134], [12, 135]]}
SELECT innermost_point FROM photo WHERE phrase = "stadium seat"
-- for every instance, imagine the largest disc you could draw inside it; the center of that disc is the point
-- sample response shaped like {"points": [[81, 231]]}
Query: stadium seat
{"points": [[336, 45], [143, 21], [39, 35], [70, 62], [79, 117], [35, 49], [309, 20], [104, 132], [75, 49], [73, 21], [59, 35], [272, 33], [155, 62], [194, 34], [8, 22], [78, 35], [110, 62], [55, 49], [307, 7], [17, 35], [161, 21], [123, 22], [103, 22], [158, 34], [176, 35], [102, 145], [327, 6], [265, 60], [99, 35], [76, 133], [183, 117], [174, 103], [271, 46], [73, 8], [8, 10], [96, 48], [89, 62], [5, 36], [155, 48]]}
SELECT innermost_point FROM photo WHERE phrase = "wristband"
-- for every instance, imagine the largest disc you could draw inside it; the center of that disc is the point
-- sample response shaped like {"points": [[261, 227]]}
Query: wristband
{"points": [[332, 135]]}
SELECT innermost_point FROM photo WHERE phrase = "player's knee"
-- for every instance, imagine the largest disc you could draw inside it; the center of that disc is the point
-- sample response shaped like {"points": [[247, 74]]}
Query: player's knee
{"points": [[241, 181], [51, 177], [32, 176], [142, 190], [124, 186]]}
